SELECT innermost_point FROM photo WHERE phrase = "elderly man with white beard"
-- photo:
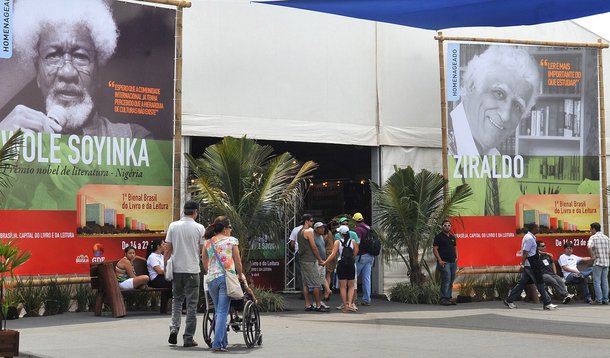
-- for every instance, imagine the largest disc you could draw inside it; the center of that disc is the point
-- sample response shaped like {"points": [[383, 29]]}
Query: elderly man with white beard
{"points": [[67, 41]]}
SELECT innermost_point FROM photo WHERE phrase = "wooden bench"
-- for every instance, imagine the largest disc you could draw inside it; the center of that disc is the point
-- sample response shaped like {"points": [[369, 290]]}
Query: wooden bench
{"points": [[103, 279]]}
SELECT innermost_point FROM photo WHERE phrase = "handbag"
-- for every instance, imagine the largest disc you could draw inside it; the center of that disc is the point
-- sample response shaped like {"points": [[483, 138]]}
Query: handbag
{"points": [[169, 270], [234, 290]]}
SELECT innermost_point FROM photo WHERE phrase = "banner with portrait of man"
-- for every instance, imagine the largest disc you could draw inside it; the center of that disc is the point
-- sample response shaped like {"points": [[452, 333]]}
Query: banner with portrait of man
{"points": [[91, 83], [523, 132]]}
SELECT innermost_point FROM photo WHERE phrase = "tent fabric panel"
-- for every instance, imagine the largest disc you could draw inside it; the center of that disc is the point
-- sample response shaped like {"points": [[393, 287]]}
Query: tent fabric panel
{"points": [[258, 62], [278, 129], [416, 158]]}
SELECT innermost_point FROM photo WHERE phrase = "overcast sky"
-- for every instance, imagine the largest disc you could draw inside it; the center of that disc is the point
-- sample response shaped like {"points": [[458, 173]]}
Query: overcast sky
{"points": [[600, 24]]}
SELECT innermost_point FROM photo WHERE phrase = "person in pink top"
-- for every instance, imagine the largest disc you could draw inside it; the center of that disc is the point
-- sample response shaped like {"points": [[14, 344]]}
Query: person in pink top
{"points": [[220, 254]]}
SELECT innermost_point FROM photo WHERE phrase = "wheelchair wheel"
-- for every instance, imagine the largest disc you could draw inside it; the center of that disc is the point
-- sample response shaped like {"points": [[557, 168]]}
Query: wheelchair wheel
{"points": [[208, 326], [251, 325]]}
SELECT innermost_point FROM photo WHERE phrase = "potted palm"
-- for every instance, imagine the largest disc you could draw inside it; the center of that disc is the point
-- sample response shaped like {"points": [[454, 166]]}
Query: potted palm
{"points": [[11, 256]]}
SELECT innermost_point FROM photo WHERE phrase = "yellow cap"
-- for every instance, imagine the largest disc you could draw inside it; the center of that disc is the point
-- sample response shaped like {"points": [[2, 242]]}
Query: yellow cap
{"points": [[357, 217]]}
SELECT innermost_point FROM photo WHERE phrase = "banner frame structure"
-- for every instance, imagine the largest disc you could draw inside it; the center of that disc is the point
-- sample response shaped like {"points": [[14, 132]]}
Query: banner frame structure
{"points": [[601, 118], [177, 175]]}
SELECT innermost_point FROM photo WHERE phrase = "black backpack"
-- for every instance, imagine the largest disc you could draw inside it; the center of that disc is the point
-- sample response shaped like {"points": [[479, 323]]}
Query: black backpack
{"points": [[370, 243], [347, 254]]}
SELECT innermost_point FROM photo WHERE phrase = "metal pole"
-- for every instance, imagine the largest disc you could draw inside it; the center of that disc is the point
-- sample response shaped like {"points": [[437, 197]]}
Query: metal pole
{"points": [[444, 150], [602, 131]]}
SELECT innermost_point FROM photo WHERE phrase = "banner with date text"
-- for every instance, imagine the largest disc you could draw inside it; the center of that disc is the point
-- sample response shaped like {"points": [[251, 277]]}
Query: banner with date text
{"points": [[523, 132], [96, 177]]}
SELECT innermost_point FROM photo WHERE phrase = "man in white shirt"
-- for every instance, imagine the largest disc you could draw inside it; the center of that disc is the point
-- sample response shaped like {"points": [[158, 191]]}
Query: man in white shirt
{"points": [[183, 244], [569, 265]]}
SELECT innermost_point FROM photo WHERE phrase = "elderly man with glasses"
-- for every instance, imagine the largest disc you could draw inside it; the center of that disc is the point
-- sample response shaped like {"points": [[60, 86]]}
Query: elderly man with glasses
{"points": [[549, 273], [445, 251], [67, 42]]}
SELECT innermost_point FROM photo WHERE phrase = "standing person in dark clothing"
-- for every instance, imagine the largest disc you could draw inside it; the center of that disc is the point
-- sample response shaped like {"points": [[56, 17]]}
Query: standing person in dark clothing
{"points": [[446, 254]]}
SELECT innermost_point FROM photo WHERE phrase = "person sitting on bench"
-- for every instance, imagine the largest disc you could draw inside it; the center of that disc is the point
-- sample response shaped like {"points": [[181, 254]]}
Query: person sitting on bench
{"points": [[126, 274]]}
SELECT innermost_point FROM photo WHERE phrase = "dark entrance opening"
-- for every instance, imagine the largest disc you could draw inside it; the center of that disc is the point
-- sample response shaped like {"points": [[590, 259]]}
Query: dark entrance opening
{"points": [[340, 185]]}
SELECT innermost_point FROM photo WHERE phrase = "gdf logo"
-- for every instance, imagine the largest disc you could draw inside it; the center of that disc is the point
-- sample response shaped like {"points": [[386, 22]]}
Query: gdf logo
{"points": [[98, 251]]}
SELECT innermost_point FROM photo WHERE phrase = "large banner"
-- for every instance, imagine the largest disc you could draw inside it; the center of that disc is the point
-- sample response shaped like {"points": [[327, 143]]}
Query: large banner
{"points": [[523, 133], [92, 85]]}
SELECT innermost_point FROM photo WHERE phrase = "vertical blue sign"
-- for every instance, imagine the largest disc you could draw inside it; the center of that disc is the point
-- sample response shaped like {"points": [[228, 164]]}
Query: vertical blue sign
{"points": [[452, 76], [6, 45]]}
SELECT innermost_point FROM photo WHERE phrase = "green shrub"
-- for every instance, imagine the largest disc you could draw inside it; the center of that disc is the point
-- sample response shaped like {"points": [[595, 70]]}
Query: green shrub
{"points": [[85, 297], [31, 296], [59, 295], [269, 301], [503, 283], [405, 292]]}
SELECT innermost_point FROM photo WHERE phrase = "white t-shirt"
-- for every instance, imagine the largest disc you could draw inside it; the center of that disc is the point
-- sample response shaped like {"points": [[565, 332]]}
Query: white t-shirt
{"points": [[529, 244], [186, 237], [570, 261], [293, 237], [152, 261]]}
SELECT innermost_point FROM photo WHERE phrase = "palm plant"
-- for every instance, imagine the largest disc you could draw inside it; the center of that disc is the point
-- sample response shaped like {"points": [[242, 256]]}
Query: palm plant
{"points": [[8, 153], [11, 256], [408, 210], [253, 187]]}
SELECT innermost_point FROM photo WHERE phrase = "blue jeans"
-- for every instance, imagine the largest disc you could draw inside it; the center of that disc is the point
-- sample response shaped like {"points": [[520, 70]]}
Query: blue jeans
{"points": [[528, 276], [185, 286], [447, 278], [364, 267], [582, 280], [600, 283], [218, 292]]}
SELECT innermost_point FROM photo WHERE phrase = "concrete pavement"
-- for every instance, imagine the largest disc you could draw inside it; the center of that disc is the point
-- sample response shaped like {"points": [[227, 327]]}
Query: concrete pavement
{"points": [[385, 329]]}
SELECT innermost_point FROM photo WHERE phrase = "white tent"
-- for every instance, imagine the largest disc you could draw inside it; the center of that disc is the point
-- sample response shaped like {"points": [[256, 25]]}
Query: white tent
{"points": [[282, 74]]}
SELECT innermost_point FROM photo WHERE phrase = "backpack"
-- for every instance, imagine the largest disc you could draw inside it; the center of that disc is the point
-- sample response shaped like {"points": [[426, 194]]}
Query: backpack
{"points": [[370, 243], [347, 254]]}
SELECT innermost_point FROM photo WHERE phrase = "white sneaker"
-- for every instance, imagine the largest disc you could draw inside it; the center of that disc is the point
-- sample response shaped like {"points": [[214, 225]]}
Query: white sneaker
{"points": [[324, 305], [354, 306], [567, 299], [550, 307], [340, 307], [510, 304]]}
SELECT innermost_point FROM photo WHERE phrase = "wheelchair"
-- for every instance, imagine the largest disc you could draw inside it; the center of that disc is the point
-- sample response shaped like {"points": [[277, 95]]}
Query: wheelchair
{"points": [[244, 318]]}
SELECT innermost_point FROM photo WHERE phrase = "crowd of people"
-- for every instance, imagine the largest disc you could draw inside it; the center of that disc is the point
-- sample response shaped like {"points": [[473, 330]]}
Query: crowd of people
{"points": [[326, 251], [334, 255]]}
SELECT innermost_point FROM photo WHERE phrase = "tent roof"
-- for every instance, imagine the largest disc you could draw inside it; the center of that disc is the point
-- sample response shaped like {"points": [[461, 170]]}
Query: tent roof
{"points": [[441, 14]]}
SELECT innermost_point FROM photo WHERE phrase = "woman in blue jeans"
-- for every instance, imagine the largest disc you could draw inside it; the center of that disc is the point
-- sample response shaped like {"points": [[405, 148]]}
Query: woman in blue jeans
{"points": [[220, 254]]}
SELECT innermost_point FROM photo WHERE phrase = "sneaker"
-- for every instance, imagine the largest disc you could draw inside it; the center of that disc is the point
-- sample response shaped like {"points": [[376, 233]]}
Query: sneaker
{"points": [[567, 299], [190, 344], [550, 307], [604, 302], [219, 350], [340, 307], [173, 338], [592, 302], [588, 301], [354, 307], [445, 303], [324, 305], [364, 303], [510, 304], [309, 308], [321, 309]]}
